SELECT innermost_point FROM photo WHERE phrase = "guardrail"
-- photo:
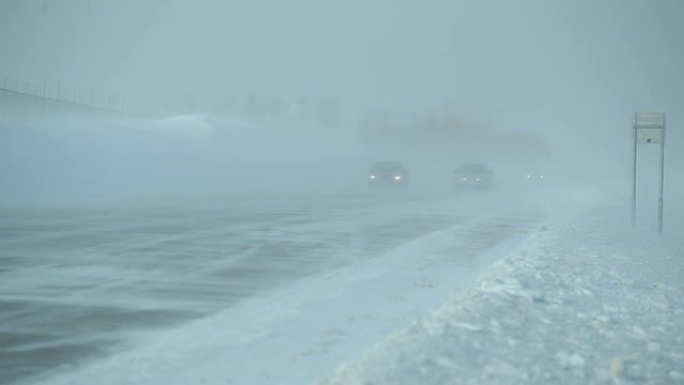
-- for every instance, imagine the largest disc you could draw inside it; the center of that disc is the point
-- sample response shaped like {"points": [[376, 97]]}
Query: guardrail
{"points": [[48, 96], [22, 97]]}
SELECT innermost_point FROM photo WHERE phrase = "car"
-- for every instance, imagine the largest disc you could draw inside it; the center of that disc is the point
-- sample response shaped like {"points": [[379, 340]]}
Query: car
{"points": [[473, 175], [388, 173], [535, 177], [536, 174]]}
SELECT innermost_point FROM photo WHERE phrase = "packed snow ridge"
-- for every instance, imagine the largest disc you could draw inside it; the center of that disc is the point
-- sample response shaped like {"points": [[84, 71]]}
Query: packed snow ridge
{"points": [[576, 304]]}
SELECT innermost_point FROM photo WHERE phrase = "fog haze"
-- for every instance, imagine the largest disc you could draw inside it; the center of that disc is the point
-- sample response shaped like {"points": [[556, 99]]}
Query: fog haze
{"points": [[571, 71], [262, 191], [537, 56]]}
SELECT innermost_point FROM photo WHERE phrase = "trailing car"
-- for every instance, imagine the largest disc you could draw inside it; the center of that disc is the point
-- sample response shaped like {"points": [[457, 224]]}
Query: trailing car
{"points": [[388, 173], [473, 175]]}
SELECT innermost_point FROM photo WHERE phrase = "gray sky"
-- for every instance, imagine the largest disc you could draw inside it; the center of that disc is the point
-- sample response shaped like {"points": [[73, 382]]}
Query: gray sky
{"points": [[532, 62]]}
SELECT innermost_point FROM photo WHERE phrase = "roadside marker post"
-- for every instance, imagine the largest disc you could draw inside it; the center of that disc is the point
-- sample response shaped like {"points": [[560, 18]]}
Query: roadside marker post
{"points": [[649, 128]]}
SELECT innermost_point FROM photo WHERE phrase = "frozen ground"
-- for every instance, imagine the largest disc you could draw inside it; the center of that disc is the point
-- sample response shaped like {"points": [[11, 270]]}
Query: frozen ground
{"points": [[586, 302]]}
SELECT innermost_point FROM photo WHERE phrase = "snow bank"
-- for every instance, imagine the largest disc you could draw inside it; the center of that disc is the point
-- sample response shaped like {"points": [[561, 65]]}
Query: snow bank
{"points": [[186, 126], [578, 304]]}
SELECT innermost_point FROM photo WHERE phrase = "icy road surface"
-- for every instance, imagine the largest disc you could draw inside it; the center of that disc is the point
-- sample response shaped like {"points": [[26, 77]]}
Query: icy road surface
{"points": [[249, 292]]}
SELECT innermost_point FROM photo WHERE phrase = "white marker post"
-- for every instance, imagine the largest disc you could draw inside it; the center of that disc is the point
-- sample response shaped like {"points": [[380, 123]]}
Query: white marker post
{"points": [[649, 128]]}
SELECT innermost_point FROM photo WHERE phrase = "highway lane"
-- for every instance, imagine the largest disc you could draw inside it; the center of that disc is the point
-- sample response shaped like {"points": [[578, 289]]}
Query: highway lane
{"points": [[78, 283]]}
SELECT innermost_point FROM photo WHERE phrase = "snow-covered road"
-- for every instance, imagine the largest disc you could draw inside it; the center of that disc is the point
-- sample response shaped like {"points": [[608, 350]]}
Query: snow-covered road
{"points": [[284, 289], [119, 265]]}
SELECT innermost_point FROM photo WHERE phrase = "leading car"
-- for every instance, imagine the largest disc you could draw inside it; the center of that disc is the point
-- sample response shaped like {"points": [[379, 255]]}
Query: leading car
{"points": [[388, 173], [473, 175]]}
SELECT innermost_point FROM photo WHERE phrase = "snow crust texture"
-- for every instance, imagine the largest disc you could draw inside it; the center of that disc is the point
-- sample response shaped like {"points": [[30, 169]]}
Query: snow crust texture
{"points": [[583, 303]]}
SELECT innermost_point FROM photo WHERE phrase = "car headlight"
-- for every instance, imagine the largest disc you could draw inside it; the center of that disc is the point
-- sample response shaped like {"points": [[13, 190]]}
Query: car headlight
{"points": [[464, 179], [372, 176], [397, 177], [477, 179]]}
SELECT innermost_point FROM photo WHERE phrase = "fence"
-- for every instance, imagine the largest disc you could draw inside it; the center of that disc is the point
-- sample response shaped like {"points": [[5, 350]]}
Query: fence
{"points": [[46, 97]]}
